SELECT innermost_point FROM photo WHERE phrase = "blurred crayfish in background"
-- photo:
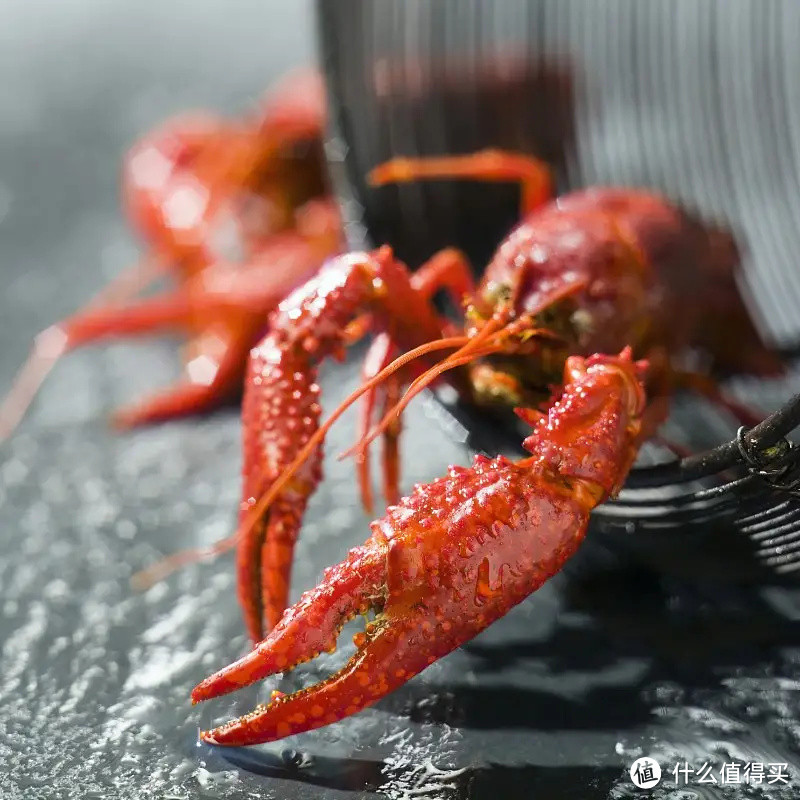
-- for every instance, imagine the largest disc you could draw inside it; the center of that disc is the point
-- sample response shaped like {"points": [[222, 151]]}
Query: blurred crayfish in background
{"points": [[235, 214]]}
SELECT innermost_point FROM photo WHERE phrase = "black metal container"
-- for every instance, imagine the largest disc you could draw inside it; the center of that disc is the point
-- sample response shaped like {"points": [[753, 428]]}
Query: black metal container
{"points": [[697, 99]]}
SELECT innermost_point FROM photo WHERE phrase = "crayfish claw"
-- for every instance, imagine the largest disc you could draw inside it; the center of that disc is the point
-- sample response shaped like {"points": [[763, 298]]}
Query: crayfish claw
{"points": [[394, 647], [376, 668], [448, 560], [310, 627]]}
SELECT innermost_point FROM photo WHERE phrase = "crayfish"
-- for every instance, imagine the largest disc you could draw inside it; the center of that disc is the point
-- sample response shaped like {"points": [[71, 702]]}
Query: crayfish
{"points": [[597, 270], [238, 214]]}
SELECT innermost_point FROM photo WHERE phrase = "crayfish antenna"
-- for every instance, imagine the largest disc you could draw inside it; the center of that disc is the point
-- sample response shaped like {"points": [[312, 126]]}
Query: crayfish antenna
{"points": [[48, 348], [489, 340], [467, 345], [391, 416], [145, 579], [378, 361], [57, 340], [162, 569], [264, 502]]}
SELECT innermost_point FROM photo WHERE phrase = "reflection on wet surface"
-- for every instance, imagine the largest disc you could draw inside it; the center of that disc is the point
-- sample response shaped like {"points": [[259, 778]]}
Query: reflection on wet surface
{"points": [[607, 662], [620, 659]]}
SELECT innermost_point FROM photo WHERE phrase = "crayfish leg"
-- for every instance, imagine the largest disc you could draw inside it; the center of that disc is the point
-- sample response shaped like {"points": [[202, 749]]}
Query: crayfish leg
{"points": [[282, 435], [162, 312], [486, 165], [378, 357], [96, 323], [708, 388], [212, 372], [391, 444], [447, 270]]}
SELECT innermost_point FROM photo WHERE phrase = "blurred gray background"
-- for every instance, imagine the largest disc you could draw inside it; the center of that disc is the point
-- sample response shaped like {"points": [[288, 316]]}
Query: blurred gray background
{"points": [[555, 700], [81, 80]]}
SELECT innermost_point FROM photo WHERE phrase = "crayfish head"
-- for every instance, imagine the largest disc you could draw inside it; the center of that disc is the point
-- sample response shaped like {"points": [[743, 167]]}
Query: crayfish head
{"points": [[544, 322], [531, 357]]}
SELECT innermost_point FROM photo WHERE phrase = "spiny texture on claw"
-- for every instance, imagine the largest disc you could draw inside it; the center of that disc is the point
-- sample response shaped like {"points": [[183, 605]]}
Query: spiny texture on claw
{"points": [[448, 560], [280, 411]]}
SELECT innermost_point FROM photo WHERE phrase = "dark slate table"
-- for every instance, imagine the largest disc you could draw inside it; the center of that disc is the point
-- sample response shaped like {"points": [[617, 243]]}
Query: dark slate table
{"points": [[609, 661]]}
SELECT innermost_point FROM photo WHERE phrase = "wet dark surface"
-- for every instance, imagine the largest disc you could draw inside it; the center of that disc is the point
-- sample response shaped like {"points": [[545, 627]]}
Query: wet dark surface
{"points": [[610, 660]]}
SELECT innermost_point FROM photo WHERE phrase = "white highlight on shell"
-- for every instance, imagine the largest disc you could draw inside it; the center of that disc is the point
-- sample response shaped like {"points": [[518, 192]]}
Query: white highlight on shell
{"points": [[150, 168], [185, 206], [202, 370]]}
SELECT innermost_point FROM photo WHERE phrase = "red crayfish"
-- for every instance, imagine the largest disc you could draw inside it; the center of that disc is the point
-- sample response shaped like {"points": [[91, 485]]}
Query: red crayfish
{"points": [[598, 270], [450, 559], [239, 214]]}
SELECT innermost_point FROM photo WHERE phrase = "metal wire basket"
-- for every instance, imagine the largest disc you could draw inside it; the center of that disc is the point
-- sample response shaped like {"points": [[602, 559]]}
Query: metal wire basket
{"points": [[695, 98]]}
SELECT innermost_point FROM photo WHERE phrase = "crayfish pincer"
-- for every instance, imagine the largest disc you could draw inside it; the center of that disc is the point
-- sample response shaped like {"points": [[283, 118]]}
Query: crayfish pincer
{"points": [[451, 558]]}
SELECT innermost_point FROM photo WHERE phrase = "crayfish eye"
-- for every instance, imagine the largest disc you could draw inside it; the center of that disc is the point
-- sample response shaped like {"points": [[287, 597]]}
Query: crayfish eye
{"points": [[497, 294]]}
